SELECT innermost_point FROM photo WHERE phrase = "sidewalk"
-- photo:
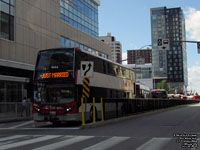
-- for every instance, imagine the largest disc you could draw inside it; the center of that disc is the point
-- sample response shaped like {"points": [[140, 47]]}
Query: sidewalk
{"points": [[12, 111], [10, 117]]}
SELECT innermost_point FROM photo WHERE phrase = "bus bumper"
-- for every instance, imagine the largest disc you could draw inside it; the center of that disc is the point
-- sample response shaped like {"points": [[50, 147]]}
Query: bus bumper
{"points": [[58, 118]]}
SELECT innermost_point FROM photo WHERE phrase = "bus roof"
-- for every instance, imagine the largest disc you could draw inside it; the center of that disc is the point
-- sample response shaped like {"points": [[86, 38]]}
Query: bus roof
{"points": [[87, 52]]}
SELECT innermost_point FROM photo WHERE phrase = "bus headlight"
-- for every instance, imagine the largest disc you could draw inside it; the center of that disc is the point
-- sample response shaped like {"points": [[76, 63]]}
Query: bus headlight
{"points": [[68, 109], [37, 109]]}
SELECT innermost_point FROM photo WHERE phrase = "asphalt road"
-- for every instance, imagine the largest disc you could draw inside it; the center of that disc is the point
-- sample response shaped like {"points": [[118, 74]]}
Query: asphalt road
{"points": [[172, 129]]}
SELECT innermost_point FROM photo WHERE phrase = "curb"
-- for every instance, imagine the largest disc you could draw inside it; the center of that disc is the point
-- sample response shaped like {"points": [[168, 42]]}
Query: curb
{"points": [[131, 116]]}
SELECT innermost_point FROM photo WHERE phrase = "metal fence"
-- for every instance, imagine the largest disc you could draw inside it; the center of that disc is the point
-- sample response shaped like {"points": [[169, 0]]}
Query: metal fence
{"points": [[14, 110], [114, 108]]}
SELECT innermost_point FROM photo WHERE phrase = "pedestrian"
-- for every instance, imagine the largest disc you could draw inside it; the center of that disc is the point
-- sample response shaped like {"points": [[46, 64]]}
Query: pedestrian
{"points": [[24, 105]]}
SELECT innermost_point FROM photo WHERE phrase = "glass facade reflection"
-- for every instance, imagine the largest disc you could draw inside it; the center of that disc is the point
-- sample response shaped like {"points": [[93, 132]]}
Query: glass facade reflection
{"points": [[11, 91], [70, 44], [15, 84], [7, 13], [143, 73], [81, 14]]}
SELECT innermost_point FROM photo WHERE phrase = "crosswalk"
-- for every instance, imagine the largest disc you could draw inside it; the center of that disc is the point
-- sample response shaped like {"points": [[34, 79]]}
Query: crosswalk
{"points": [[54, 142]]}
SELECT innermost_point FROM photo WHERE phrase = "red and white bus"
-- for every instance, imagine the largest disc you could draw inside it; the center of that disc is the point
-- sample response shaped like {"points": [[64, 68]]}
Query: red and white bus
{"points": [[58, 84]]}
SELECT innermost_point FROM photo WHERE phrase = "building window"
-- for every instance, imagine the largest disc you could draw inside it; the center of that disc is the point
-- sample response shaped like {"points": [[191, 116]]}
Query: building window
{"points": [[80, 14], [7, 14]]}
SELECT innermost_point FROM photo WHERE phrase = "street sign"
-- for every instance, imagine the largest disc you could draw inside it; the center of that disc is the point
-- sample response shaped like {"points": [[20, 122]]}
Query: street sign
{"points": [[163, 44], [198, 47], [87, 68], [86, 87]]}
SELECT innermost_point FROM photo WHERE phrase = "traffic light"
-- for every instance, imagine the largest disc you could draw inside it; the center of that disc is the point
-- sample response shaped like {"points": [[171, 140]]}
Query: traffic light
{"points": [[198, 47], [159, 42]]}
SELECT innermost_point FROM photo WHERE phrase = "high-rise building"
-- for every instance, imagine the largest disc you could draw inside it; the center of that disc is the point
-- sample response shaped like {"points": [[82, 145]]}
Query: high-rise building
{"points": [[115, 46], [143, 73], [27, 26], [170, 65], [141, 56], [81, 14]]}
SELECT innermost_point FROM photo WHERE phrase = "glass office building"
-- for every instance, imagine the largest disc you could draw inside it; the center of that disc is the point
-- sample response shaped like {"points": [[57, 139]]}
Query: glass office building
{"points": [[170, 65], [13, 84], [27, 26], [7, 13], [71, 44], [81, 14]]}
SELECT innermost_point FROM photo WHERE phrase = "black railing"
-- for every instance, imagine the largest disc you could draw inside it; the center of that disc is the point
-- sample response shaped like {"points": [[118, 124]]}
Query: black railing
{"points": [[114, 108]]}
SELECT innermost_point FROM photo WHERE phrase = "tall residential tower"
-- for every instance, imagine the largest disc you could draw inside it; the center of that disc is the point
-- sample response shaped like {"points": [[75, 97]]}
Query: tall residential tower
{"points": [[170, 65], [115, 46]]}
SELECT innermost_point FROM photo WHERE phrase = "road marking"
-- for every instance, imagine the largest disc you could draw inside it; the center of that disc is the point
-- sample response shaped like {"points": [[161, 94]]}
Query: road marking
{"points": [[40, 128], [107, 143], [26, 142], [22, 124], [154, 143], [64, 143], [11, 137]]}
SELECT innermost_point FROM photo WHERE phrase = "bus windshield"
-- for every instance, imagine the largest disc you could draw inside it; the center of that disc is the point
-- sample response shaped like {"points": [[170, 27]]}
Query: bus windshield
{"points": [[59, 62], [159, 94], [45, 93]]}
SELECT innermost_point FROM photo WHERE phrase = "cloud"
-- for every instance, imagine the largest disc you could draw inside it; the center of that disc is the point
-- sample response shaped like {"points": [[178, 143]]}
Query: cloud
{"points": [[192, 17], [197, 63], [194, 78], [192, 23]]}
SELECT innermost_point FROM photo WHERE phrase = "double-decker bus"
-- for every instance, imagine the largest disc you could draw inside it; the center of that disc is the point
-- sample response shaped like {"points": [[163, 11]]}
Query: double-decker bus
{"points": [[58, 84]]}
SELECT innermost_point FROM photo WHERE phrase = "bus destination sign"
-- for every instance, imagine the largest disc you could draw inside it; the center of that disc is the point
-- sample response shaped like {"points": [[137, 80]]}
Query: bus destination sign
{"points": [[55, 75]]}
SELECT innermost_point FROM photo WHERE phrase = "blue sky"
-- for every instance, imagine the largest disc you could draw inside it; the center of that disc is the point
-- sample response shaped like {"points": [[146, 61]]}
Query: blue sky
{"points": [[129, 22]]}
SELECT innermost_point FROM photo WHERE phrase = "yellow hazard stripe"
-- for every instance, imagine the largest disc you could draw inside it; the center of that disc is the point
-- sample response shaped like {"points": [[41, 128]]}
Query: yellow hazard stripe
{"points": [[88, 86], [86, 81], [85, 93], [85, 87]]}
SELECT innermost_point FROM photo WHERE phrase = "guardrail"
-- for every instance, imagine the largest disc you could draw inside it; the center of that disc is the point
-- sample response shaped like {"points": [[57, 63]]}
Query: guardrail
{"points": [[15, 110], [114, 108]]}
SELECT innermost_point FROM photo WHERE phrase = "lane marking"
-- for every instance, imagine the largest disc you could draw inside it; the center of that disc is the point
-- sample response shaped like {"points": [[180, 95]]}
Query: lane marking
{"points": [[154, 143], [107, 143], [26, 142], [22, 124], [11, 137], [64, 143], [41, 128]]}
